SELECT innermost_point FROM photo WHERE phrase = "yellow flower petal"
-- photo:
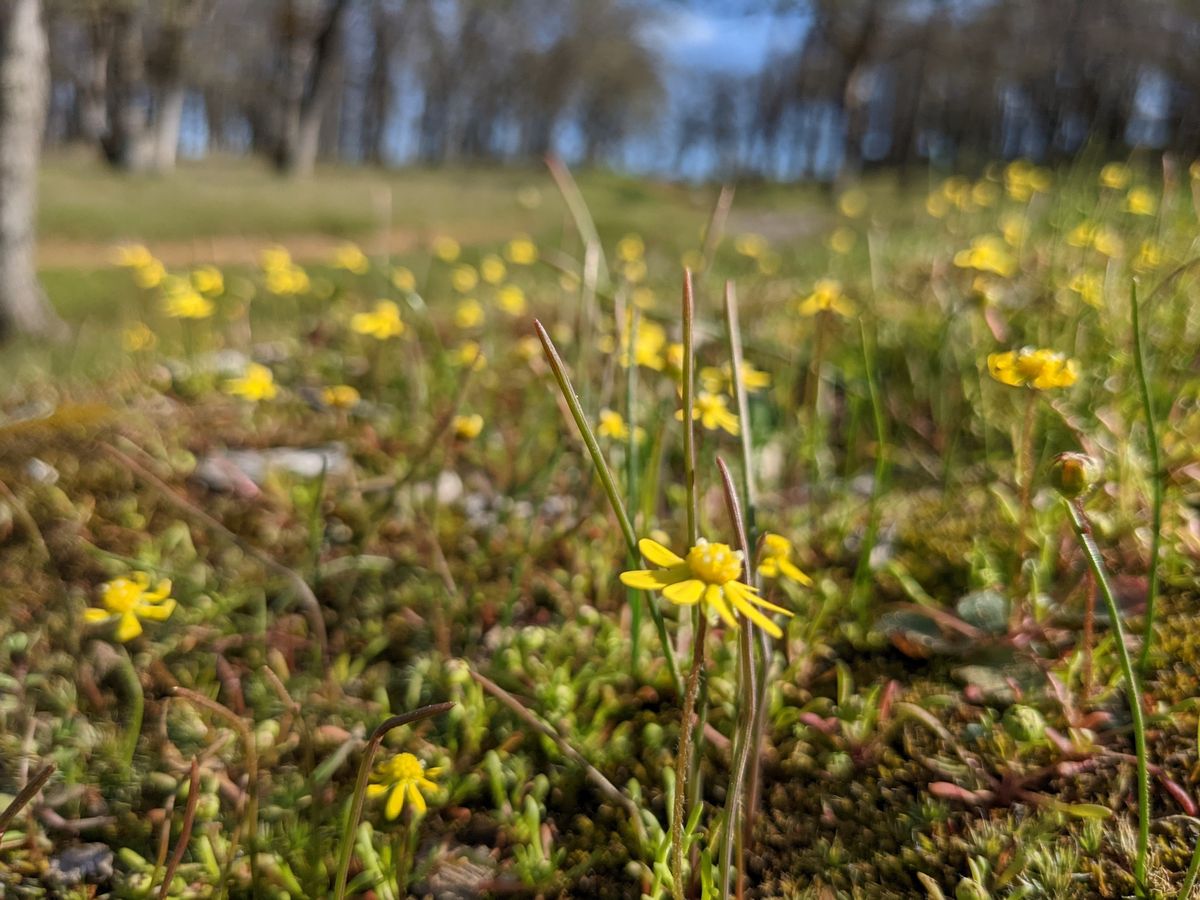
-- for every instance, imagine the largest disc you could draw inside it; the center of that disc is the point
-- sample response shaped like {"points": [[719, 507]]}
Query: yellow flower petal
{"points": [[755, 616], [376, 790], [658, 554], [685, 593], [128, 627], [417, 800], [155, 611], [395, 804], [645, 579], [714, 597]]}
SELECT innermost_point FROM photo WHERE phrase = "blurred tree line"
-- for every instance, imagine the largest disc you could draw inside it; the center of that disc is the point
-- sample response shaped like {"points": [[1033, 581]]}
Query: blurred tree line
{"points": [[867, 83]]}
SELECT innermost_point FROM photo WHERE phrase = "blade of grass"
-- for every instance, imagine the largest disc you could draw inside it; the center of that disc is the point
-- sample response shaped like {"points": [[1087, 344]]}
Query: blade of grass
{"points": [[631, 489], [1156, 480], [606, 480], [862, 571], [577, 206]]}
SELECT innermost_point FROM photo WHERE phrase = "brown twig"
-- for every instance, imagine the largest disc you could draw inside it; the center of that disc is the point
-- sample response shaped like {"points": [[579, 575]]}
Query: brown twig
{"points": [[185, 831], [27, 793]]}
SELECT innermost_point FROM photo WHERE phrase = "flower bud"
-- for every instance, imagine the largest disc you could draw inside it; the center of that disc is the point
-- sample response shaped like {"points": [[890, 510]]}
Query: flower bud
{"points": [[1074, 474]]}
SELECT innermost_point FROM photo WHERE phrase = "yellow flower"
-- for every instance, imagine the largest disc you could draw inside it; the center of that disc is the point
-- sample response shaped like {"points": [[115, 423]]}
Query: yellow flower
{"points": [[404, 280], [827, 296], [612, 425], [710, 572], [521, 251], [712, 411], [275, 257], [468, 313], [464, 278], [467, 428], [842, 240], [402, 776], [1141, 202], [642, 297], [936, 205], [957, 190], [1014, 229], [751, 245], [1108, 242], [1114, 175], [511, 299], [775, 560], [447, 249], [150, 275], [133, 256], [987, 253], [648, 343], [382, 323], [257, 383], [716, 380], [185, 303], [984, 193], [634, 271], [630, 248], [126, 601], [138, 337], [1033, 367], [1149, 258], [492, 268], [1089, 286], [1081, 234], [351, 258], [340, 396], [853, 203], [208, 280], [469, 353]]}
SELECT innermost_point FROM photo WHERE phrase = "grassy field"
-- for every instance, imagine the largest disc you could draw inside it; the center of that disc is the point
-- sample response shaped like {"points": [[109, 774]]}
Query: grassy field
{"points": [[306, 465]]}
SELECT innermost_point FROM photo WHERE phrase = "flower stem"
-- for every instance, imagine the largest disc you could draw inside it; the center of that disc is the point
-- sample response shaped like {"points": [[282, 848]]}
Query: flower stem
{"points": [[360, 785], [683, 757], [137, 708], [607, 482], [689, 401], [1156, 481], [1083, 531]]}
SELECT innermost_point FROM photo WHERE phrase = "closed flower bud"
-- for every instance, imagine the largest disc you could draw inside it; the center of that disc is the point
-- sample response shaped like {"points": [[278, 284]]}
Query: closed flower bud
{"points": [[1074, 474]]}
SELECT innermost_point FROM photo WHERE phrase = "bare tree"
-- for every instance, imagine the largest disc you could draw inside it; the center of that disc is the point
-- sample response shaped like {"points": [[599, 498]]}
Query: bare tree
{"points": [[24, 91]]}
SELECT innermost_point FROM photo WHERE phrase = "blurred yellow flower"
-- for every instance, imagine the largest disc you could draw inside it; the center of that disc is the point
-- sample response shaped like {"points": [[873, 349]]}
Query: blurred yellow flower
{"points": [[1108, 242], [842, 240], [511, 299], [287, 280], [642, 297], [467, 428], [150, 275], [521, 251], [186, 303], [404, 280], [381, 323], [715, 380], [1149, 257], [630, 248], [402, 776], [634, 271], [446, 248], [1033, 367], [351, 258], [612, 425], [1141, 202], [648, 343], [464, 278], [937, 205], [208, 280], [138, 336], [126, 601], [1114, 175], [984, 193], [469, 353], [712, 412], [987, 253], [710, 573], [492, 268], [775, 561], [132, 256], [468, 313], [340, 396], [751, 245], [1089, 286], [827, 296], [256, 383], [275, 257], [853, 203], [529, 348], [1014, 228]]}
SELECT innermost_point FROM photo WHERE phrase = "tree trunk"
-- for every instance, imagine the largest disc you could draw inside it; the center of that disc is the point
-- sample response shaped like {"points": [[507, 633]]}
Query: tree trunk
{"points": [[24, 92], [167, 124], [126, 145]]}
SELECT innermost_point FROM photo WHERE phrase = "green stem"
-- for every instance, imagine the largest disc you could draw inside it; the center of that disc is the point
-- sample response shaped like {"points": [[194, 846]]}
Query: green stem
{"points": [[863, 571], [733, 332], [1156, 481], [360, 785], [1083, 531], [1189, 880], [689, 404], [137, 708], [631, 489], [609, 485]]}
